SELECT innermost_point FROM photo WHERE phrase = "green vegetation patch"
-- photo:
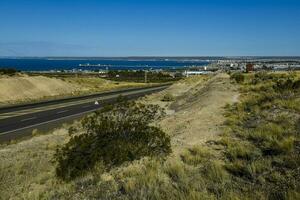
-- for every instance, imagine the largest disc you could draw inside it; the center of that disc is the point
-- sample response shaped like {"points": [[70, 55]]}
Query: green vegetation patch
{"points": [[8, 71], [112, 136], [257, 157], [142, 76], [168, 97], [262, 141]]}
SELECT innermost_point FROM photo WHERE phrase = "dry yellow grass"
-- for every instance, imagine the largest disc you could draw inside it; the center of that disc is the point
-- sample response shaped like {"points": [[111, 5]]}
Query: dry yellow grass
{"points": [[23, 88], [98, 84], [194, 171], [177, 178], [27, 166], [15, 89]]}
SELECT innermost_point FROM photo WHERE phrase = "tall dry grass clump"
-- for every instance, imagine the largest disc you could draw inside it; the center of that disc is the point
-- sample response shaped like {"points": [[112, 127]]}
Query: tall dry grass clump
{"points": [[262, 144]]}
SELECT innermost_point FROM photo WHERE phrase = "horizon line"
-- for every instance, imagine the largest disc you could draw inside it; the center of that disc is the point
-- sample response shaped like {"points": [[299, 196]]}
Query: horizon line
{"points": [[149, 56]]}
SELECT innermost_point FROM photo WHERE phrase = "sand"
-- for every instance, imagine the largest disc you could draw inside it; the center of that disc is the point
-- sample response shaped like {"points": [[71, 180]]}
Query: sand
{"points": [[196, 115], [14, 89]]}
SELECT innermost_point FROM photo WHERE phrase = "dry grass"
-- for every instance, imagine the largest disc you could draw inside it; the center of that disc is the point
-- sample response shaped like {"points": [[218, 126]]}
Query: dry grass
{"points": [[33, 178], [98, 84], [236, 169], [26, 169], [16, 89], [195, 171], [20, 89]]}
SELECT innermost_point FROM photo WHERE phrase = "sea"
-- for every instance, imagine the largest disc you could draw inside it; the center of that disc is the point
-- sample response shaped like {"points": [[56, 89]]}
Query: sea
{"points": [[55, 64]]}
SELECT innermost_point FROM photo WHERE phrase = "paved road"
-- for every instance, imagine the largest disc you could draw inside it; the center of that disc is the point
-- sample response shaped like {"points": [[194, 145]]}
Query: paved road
{"points": [[19, 121]]}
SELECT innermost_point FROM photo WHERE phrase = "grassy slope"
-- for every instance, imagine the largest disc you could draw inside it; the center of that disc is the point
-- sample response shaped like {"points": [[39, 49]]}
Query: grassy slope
{"points": [[262, 137], [36, 174], [231, 167]]}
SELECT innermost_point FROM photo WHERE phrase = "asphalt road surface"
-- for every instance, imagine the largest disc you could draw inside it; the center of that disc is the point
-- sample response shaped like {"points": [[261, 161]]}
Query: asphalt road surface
{"points": [[20, 121]]}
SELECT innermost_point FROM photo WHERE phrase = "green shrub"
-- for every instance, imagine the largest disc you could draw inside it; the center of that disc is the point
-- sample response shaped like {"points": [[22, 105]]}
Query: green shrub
{"points": [[8, 71], [261, 77], [176, 171], [72, 130], [168, 97], [196, 155], [266, 132], [239, 168], [238, 77], [215, 172], [242, 150], [292, 104], [113, 135], [260, 166], [275, 146]]}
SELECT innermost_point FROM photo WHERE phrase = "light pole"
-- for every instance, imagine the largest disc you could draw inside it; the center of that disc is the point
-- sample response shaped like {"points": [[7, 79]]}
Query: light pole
{"points": [[145, 76]]}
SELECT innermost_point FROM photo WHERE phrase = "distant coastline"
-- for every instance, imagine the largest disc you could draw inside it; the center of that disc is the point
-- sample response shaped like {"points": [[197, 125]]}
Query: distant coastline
{"points": [[47, 64]]}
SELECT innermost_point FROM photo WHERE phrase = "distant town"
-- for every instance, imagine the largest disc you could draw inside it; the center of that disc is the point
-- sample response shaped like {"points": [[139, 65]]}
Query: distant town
{"points": [[243, 64]]}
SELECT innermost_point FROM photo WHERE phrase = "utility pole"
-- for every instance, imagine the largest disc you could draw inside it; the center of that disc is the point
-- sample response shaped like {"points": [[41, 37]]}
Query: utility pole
{"points": [[106, 71], [145, 76]]}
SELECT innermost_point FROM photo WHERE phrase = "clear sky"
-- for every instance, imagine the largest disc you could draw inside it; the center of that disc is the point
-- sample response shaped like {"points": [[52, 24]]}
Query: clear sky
{"points": [[149, 28]]}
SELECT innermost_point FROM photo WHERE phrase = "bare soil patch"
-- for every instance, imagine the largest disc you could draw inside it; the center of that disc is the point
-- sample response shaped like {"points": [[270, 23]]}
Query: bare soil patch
{"points": [[196, 115], [23, 88]]}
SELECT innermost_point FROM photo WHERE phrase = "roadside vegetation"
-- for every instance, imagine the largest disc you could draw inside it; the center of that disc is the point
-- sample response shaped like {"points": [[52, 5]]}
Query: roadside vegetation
{"points": [[255, 157], [262, 139], [17, 88], [112, 136], [139, 76], [24, 88], [168, 97], [96, 84], [8, 71]]}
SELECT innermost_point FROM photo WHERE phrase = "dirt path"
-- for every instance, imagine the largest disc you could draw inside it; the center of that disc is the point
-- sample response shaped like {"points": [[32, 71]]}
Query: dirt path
{"points": [[198, 112]]}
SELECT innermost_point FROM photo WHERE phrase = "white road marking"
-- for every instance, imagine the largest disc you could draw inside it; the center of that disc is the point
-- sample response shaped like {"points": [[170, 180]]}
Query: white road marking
{"points": [[62, 111], [34, 110], [47, 122], [23, 120], [86, 106]]}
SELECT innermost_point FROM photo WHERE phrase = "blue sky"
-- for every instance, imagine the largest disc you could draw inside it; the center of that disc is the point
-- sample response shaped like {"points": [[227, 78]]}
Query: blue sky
{"points": [[149, 28]]}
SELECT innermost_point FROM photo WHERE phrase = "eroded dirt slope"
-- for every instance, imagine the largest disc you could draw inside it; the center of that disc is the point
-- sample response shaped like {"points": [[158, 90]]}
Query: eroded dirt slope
{"points": [[22, 88], [14, 89], [196, 115]]}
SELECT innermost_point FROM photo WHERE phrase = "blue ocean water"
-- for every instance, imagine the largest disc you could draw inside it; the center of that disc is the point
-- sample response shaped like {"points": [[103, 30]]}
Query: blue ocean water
{"points": [[69, 64]]}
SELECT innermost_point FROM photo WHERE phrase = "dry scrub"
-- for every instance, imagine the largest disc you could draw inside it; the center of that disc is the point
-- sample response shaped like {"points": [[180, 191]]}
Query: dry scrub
{"points": [[192, 172]]}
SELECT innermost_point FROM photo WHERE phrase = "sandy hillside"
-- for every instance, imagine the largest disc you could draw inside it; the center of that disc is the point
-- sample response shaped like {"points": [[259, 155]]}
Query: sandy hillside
{"points": [[26, 88], [196, 115]]}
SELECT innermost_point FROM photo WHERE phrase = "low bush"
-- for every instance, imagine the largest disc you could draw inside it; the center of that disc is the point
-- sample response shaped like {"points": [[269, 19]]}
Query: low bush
{"points": [[8, 71], [196, 155], [239, 168], [168, 97], [175, 170], [215, 172], [112, 136], [238, 77], [243, 151]]}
